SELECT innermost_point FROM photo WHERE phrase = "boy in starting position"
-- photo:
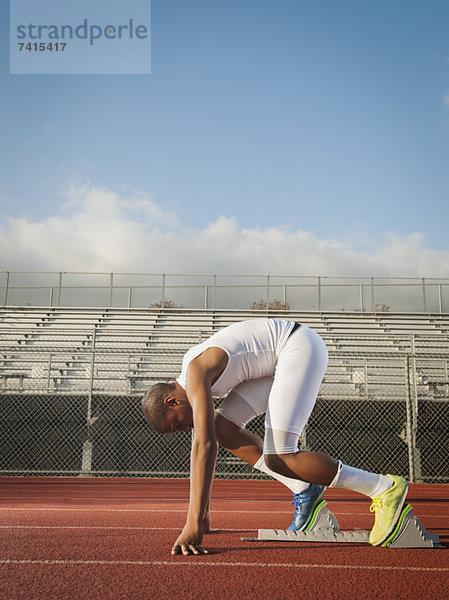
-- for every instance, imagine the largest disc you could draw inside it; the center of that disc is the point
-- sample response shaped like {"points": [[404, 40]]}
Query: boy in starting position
{"points": [[270, 366]]}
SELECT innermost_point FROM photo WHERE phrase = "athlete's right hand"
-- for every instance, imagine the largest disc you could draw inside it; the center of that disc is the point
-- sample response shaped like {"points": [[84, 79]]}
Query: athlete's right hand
{"points": [[189, 542]]}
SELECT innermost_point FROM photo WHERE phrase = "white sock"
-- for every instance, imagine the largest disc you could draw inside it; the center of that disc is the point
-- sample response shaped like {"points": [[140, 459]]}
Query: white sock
{"points": [[370, 484], [295, 485]]}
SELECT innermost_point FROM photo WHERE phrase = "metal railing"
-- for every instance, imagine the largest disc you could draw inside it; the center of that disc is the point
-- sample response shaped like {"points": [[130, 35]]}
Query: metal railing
{"points": [[211, 291]]}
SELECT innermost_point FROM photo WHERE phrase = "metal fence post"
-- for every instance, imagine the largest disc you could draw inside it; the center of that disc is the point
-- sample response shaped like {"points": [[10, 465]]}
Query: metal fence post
{"points": [[214, 298], [5, 295], [409, 426], [303, 439], [86, 461], [372, 294], [268, 290], [413, 402], [319, 293], [424, 294], [365, 375], [361, 297], [446, 376], [49, 373], [206, 296], [440, 298], [111, 287], [163, 291], [91, 382], [59, 289]]}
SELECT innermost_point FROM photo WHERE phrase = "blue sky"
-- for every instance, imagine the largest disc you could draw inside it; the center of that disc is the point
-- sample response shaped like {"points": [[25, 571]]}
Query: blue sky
{"points": [[325, 122]]}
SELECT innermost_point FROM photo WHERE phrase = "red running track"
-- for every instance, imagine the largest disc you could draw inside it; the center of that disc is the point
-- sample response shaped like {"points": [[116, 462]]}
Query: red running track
{"points": [[72, 538]]}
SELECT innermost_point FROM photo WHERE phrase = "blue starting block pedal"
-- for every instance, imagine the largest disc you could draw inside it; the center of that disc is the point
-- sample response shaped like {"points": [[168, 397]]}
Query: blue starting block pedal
{"points": [[323, 527]]}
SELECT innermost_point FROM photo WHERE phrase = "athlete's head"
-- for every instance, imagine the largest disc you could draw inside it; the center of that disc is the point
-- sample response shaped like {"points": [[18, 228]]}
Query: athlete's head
{"points": [[167, 409]]}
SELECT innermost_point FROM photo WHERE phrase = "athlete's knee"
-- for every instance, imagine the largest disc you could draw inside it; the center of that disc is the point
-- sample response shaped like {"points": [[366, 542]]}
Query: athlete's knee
{"points": [[277, 462]]}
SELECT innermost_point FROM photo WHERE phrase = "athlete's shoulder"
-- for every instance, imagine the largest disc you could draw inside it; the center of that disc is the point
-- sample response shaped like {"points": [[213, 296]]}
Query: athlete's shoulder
{"points": [[212, 359]]}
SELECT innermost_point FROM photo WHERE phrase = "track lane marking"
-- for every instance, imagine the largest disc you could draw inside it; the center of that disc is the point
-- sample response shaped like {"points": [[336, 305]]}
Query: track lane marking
{"points": [[200, 563], [218, 530], [169, 510]]}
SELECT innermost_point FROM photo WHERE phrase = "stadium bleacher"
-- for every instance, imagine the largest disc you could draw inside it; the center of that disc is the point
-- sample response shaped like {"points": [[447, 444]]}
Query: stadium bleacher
{"points": [[124, 350], [84, 370]]}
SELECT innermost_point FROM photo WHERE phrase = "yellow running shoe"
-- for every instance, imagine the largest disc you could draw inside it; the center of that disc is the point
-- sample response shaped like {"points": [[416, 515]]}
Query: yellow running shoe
{"points": [[387, 508]]}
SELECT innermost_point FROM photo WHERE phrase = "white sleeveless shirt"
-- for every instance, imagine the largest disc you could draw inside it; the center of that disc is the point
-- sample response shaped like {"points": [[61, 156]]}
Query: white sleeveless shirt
{"points": [[253, 348]]}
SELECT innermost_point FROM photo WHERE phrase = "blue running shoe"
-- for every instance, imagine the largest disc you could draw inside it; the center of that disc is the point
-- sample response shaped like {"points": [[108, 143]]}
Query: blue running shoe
{"points": [[305, 503]]}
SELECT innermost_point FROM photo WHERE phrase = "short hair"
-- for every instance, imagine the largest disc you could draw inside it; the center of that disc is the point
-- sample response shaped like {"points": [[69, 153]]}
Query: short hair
{"points": [[153, 405]]}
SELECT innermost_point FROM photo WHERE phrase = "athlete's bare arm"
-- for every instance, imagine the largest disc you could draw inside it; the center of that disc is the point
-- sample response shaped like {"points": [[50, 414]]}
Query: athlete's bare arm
{"points": [[202, 371]]}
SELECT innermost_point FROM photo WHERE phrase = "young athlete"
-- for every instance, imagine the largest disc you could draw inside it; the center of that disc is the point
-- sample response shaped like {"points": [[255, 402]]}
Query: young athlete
{"points": [[270, 366]]}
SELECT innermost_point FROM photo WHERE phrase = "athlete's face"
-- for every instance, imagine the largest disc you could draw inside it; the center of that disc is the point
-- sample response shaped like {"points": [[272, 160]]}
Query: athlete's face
{"points": [[178, 417]]}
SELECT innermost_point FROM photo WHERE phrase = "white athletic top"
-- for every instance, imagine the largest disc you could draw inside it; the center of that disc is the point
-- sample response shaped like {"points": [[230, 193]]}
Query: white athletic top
{"points": [[253, 348]]}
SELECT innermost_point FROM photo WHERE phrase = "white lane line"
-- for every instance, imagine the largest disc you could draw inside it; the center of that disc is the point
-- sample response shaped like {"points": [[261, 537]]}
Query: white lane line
{"points": [[104, 498], [218, 530], [169, 510], [87, 527], [199, 563], [163, 510]]}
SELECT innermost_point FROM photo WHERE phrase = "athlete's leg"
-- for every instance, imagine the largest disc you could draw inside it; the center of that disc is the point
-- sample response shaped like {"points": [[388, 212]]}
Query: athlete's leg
{"points": [[244, 403], [298, 376], [299, 372], [313, 467], [240, 442]]}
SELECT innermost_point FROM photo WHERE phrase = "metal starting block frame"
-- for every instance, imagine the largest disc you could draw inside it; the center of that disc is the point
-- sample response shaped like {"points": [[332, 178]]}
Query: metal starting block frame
{"points": [[408, 533]]}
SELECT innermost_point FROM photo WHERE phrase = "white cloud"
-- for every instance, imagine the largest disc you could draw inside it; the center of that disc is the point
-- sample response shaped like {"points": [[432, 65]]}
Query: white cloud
{"points": [[101, 230]]}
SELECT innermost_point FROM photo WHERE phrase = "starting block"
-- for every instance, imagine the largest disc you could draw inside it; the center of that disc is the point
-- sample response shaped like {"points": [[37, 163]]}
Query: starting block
{"points": [[323, 527]]}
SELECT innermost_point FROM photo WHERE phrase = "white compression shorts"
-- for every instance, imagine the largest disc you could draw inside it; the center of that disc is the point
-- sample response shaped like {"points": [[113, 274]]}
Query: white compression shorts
{"points": [[288, 398]]}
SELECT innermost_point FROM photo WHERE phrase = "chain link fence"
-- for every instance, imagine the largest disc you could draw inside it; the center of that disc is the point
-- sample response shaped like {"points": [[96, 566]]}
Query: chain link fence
{"points": [[78, 413]]}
